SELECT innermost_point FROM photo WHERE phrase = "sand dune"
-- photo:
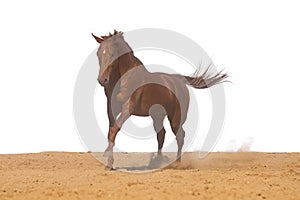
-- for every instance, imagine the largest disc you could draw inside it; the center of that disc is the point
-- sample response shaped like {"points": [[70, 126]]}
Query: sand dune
{"points": [[60, 175]]}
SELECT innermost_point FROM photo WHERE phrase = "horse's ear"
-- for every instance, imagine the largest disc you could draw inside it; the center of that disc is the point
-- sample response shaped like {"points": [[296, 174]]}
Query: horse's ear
{"points": [[98, 39]]}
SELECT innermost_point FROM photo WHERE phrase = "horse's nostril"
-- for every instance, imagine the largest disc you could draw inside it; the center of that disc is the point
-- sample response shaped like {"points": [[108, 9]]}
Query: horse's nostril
{"points": [[103, 81]]}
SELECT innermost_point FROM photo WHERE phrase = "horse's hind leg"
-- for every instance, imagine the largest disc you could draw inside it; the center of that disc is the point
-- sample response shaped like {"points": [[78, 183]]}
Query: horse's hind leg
{"points": [[176, 124], [159, 128], [180, 140]]}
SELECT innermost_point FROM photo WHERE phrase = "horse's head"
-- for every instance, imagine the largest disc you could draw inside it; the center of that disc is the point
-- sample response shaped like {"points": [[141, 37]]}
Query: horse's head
{"points": [[108, 55]]}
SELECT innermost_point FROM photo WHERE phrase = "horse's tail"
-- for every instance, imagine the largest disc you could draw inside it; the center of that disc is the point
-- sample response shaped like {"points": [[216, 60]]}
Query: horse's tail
{"points": [[206, 80]]}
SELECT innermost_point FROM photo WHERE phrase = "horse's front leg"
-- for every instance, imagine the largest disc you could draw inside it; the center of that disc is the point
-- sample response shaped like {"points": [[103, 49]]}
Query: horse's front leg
{"points": [[113, 132], [113, 110], [111, 142]]}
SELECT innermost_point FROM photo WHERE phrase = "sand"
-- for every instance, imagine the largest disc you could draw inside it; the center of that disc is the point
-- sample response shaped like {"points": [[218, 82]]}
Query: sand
{"points": [[60, 175]]}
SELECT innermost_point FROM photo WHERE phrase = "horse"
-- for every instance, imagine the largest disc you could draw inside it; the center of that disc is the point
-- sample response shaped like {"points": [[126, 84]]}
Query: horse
{"points": [[132, 90]]}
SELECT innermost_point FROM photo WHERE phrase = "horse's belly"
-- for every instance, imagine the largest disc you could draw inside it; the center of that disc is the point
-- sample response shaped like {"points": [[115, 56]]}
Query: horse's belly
{"points": [[153, 99]]}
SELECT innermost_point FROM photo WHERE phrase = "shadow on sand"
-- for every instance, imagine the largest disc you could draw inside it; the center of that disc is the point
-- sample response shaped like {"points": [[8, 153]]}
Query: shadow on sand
{"points": [[155, 163]]}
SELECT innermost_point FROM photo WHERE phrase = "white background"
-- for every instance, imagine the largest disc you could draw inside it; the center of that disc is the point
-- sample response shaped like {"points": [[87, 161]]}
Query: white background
{"points": [[44, 43]]}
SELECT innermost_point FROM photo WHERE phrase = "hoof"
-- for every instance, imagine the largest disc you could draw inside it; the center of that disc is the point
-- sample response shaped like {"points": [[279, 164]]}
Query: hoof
{"points": [[107, 168], [159, 157], [162, 158], [178, 159]]}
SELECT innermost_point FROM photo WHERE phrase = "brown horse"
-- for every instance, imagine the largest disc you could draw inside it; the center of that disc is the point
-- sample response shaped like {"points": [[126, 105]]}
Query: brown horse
{"points": [[132, 90]]}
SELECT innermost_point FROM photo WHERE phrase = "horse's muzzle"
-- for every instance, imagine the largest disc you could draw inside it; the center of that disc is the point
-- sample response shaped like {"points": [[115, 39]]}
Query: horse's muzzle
{"points": [[103, 81]]}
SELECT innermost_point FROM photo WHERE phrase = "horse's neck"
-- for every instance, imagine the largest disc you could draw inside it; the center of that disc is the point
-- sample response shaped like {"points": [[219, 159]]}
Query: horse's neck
{"points": [[129, 62]]}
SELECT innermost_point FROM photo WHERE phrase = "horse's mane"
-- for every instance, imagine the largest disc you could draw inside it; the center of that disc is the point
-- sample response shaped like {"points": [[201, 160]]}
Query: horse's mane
{"points": [[115, 33]]}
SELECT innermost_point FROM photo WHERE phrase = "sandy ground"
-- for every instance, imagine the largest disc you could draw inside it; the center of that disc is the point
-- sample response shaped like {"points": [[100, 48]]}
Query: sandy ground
{"points": [[59, 175]]}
